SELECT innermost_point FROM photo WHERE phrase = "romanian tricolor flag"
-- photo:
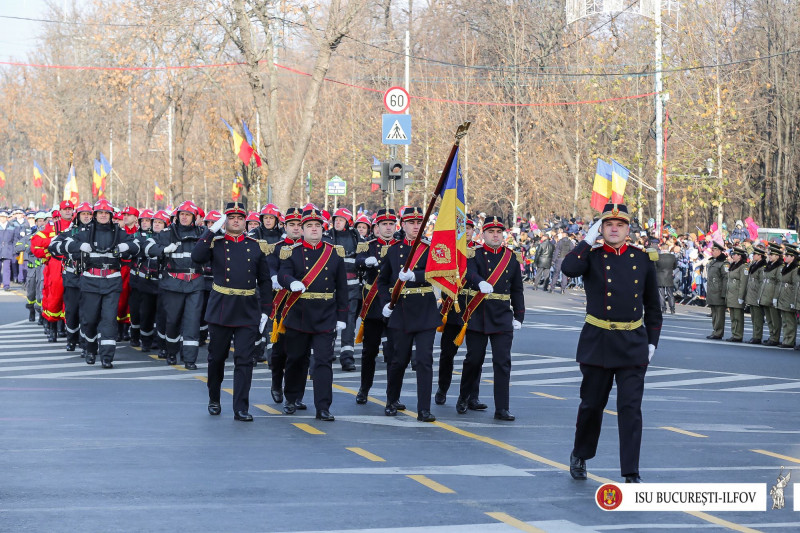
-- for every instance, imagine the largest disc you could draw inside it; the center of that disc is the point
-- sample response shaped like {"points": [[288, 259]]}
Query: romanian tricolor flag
{"points": [[97, 181], [2, 178], [601, 192], [240, 146], [38, 173], [71, 187], [105, 171], [619, 178], [249, 137], [236, 189], [158, 194], [447, 257], [44, 199]]}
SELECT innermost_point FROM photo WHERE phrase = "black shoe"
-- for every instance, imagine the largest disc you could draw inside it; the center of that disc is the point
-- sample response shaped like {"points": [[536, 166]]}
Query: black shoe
{"points": [[70, 346], [135, 343], [83, 353], [190, 366], [41, 320], [361, 397], [172, 359], [146, 347], [732, 339], [633, 478], [714, 337], [119, 332], [348, 366], [441, 397], [126, 332], [289, 409], [90, 358], [214, 408], [770, 343], [261, 358], [324, 414], [476, 405], [162, 353], [754, 341], [52, 332], [786, 346], [577, 467], [243, 416], [461, 405], [277, 395], [672, 311], [797, 347], [61, 330], [300, 405], [390, 409], [503, 414], [425, 416], [32, 316], [107, 364]]}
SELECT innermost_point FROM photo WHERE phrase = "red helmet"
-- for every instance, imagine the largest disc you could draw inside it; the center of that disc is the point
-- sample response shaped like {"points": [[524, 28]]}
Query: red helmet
{"points": [[363, 219], [130, 211], [309, 206], [146, 213], [212, 216], [270, 209], [163, 216], [252, 217], [66, 204], [83, 207], [187, 207], [117, 215], [200, 213], [345, 214], [103, 205]]}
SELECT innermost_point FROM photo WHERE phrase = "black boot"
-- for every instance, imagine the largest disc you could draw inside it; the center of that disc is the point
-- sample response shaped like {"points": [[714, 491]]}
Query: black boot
{"points": [[135, 337], [126, 332], [32, 315], [52, 332], [203, 337], [119, 331], [61, 329], [41, 320]]}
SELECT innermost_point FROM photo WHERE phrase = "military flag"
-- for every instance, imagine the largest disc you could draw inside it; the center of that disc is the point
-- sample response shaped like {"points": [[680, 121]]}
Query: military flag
{"points": [[249, 137], [105, 171], [236, 189], [240, 147], [38, 173], [619, 178], [97, 180], [601, 192], [158, 194], [71, 187], [2, 177]]}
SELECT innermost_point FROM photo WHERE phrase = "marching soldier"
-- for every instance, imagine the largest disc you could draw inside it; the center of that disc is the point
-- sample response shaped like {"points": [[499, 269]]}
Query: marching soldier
{"points": [[130, 223], [736, 292], [413, 320], [142, 233], [101, 247], [181, 284], [33, 279], [768, 297], [161, 221], [563, 246], [755, 280], [312, 314], [717, 272], [786, 297], [145, 272], [496, 272], [373, 327], [269, 231], [238, 305], [363, 227], [616, 342]]}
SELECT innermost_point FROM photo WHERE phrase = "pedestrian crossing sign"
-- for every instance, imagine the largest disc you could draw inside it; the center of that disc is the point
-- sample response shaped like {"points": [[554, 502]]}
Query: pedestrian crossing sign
{"points": [[396, 129]]}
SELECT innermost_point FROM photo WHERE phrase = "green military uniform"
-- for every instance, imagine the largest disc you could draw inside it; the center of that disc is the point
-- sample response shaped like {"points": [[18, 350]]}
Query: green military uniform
{"points": [[786, 297], [755, 280], [735, 293], [769, 294], [717, 271], [797, 293]]}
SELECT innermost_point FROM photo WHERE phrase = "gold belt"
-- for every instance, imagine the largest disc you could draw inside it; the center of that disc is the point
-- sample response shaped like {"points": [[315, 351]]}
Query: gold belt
{"points": [[233, 292], [317, 295], [416, 290], [492, 296], [607, 324]]}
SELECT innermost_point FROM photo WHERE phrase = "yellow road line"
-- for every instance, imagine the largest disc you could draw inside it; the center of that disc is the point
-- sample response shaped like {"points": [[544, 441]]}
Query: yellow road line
{"points": [[545, 395], [229, 391], [268, 409], [777, 455], [684, 432], [514, 522], [610, 412], [202, 378], [308, 428], [489, 381], [367, 455], [431, 484]]}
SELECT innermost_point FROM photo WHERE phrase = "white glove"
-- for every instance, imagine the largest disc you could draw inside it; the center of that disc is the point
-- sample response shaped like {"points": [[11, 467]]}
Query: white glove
{"points": [[168, 249], [297, 286], [486, 287], [371, 261], [122, 247], [216, 226], [593, 233], [264, 319], [86, 247], [516, 323], [406, 275], [740, 301], [387, 312], [275, 285], [650, 351], [775, 302], [340, 326]]}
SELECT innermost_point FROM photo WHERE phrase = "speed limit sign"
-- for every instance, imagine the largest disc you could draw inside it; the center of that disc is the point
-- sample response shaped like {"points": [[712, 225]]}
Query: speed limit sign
{"points": [[396, 100]]}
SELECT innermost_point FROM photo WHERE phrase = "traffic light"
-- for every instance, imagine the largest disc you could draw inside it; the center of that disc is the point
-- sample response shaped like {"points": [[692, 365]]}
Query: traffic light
{"points": [[395, 170], [383, 172], [380, 176], [404, 179]]}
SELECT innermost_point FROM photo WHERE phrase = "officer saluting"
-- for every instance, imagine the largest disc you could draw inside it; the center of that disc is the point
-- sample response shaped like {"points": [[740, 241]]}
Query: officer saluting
{"points": [[616, 341], [239, 303]]}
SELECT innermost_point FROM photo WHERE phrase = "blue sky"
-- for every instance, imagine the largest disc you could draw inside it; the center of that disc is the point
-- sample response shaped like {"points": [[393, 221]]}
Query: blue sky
{"points": [[18, 37]]}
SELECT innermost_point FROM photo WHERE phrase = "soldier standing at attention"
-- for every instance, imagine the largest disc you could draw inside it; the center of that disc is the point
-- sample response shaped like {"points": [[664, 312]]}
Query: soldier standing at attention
{"points": [[755, 279], [717, 271], [617, 341], [769, 294], [736, 292], [785, 297]]}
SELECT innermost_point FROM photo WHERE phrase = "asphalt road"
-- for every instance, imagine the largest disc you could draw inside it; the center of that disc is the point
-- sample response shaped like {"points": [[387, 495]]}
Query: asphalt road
{"points": [[133, 448]]}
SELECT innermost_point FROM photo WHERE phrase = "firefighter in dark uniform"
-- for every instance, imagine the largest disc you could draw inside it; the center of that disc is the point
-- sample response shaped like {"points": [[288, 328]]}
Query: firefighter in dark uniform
{"points": [[616, 342], [414, 318], [342, 234], [238, 306], [181, 285], [72, 273], [143, 227], [785, 297], [145, 274], [312, 314], [373, 327], [717, 272], [736, 292], [100, 248], [495, 272], [755, 280], [768, 298]]}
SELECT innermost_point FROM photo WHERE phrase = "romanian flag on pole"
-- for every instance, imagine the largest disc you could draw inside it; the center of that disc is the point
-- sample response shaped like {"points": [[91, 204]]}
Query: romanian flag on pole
{"points": [[601, 192], [105, 171], [2, 178], [240, 146], [249, 137], [38, 173], [71, 187], [447, 257], [619, 178], [158, 194], [97, 181], [236, 189]]}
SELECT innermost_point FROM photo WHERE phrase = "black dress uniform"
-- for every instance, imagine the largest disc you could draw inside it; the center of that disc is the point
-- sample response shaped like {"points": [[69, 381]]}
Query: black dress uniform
{"points": [[492, 320], [241, 294], [101, 282], [413, 322], [311, 322], [373, 325], [620, 285], [181, 287]]}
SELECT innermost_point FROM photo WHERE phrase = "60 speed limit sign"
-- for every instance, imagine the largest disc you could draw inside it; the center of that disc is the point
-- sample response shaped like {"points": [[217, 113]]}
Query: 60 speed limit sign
{"points": [[396, 100]]}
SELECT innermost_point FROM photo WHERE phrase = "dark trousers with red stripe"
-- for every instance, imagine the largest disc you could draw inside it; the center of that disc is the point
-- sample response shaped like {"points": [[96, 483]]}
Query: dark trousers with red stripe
{"points": [[219, 346]]}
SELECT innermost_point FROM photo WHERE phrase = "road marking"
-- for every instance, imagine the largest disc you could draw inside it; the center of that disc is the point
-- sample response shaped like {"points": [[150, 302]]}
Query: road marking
{"points": [[610, 412], [31, 352], [707, 341], [765, 388], [229, 391], [431, 484], [514, 522], [367, 455], [552, 370], [43, 359], [41, 344], [684, 432], [202, 378], [545, 395], [75, 364], [702, 381], [268, 409], [577, 379], [777, 455], [308, 428]]}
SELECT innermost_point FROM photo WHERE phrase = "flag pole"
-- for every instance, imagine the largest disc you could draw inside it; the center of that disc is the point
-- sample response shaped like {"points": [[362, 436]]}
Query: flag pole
{"points": [[460, 133]]}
